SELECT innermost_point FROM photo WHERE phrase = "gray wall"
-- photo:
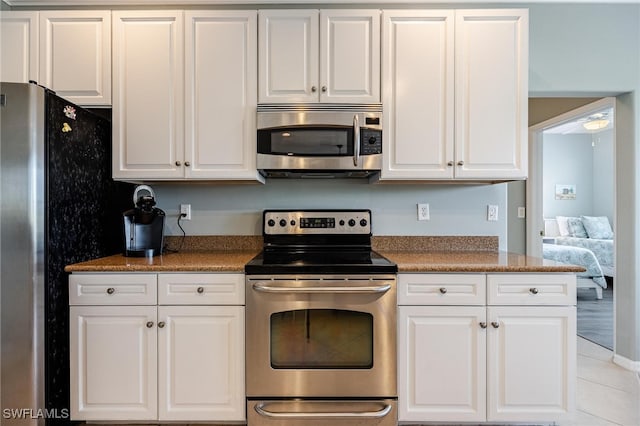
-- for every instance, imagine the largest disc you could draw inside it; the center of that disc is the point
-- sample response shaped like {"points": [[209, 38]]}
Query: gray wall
{"points": [[583, 160], [236, 209], [563, 38]]}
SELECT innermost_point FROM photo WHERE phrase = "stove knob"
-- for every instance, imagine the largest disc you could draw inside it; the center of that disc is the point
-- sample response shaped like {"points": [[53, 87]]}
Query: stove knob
{"points": [[341, 222], [363, 222], [352, 222], [271, 222], [292, 223], [283, 223]]}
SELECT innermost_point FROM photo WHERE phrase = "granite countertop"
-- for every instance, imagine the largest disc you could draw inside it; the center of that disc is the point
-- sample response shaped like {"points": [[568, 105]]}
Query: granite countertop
{"points": [[411, 254]]}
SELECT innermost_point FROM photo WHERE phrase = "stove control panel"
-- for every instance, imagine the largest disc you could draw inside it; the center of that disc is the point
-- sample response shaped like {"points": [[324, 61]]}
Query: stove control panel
{"points": [[281, 222]]}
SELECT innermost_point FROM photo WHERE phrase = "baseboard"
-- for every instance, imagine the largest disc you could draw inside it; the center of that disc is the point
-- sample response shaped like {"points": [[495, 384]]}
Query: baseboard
{"points": [[626, 363]]}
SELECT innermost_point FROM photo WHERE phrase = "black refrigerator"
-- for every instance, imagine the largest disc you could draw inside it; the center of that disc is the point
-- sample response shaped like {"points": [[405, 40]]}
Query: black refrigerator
{"points": [[59, 205]]}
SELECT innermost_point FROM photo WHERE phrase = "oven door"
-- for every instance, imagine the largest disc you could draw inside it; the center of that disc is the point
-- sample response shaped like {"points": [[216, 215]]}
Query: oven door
{"points": [[321, 337]]}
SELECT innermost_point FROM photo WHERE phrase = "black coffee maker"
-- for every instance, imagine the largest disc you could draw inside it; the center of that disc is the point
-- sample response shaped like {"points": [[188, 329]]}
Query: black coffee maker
{"points": [[143, 226]]}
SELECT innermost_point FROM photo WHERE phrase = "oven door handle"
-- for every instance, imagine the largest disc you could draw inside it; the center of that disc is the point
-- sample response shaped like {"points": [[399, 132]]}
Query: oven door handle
{"points": [[260, 409], [342, 289]]}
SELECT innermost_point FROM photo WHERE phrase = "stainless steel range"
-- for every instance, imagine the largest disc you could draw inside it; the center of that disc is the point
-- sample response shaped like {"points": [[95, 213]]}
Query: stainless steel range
{"points": [[321, 323]]}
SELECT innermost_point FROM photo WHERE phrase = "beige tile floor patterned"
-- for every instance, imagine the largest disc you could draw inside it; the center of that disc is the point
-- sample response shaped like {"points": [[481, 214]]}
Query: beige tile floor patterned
{"points": [[608, 395]]}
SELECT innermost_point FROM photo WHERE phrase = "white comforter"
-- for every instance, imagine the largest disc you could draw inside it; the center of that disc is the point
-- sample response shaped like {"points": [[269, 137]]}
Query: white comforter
{"points": [[576, 256]]}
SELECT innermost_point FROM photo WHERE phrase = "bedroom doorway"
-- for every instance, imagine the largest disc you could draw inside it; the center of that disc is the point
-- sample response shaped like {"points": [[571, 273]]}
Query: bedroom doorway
{"points": [[571, 191]]}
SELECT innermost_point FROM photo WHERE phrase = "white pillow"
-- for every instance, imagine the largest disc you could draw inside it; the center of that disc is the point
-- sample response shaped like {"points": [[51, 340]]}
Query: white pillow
{"points": [[563, 226], [598, 227]]}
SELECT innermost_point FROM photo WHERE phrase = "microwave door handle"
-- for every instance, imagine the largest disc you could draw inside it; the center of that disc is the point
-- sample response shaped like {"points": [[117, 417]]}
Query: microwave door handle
{"points": [[356, 140]]}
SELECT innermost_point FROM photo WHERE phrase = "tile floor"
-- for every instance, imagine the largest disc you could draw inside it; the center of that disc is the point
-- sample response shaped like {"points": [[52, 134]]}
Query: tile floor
{"points": [[607, 394]]}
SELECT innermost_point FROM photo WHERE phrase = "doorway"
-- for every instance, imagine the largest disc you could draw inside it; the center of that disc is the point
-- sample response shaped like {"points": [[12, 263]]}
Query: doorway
{"points": [[572, 184]]}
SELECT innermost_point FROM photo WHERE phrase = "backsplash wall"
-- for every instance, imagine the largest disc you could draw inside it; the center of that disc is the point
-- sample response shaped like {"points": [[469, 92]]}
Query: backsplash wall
{"points": [[224, 209]]}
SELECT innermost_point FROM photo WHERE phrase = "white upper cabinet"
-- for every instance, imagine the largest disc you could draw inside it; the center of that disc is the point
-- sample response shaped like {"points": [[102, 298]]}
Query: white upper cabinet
{"points": [[288, 55], [18, 46], [455, 94], [185, 95], [221, 94], [75, 55], [491, 93], [148, 88], [319, 56], [418, 94]]}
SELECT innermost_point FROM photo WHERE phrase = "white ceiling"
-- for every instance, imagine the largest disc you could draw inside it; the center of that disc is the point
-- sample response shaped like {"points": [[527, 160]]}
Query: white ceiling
{"points": [[576, 126]]}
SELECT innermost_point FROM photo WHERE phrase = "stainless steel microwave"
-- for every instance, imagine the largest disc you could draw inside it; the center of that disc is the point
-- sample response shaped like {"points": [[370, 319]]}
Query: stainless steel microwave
{"points": [[319, 140]]}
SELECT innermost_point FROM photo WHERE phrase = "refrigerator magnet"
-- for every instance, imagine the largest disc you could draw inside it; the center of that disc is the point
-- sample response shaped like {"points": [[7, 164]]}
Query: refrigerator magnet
{"points": [[70, 112], [66, 128]]}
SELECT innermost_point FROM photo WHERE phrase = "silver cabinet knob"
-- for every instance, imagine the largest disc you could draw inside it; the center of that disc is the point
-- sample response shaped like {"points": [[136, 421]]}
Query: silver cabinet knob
{"points": [[187, 164], [178, 163], [161, 324], [200, 290], [324, 89], [314, 89], [111, 290], [495, 324], [533, 290], [483, 325], [149, 324], [460, 163], [450, 164], [443, 290]]}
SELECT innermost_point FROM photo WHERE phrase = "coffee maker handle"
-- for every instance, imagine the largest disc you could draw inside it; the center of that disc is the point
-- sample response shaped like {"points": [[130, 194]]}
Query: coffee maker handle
{"points": [[142, 188]]}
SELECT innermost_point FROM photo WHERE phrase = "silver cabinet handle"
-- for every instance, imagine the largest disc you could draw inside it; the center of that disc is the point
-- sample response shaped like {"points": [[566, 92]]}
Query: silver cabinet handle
{"points": [[483, 325], [314, 89], [161, 324], [356, 139], [260, 409], [324, 89], [495, 324], [178, 163], [533, 290], [187, 164], [111, 290], [450, 164], [264, 288], [149, 324], [443, 290], [460, 163], [200, 290]]}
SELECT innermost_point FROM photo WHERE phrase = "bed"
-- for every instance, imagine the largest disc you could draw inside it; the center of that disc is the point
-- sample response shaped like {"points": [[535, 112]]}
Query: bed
{"points": [[585, 241], [593, 277]]}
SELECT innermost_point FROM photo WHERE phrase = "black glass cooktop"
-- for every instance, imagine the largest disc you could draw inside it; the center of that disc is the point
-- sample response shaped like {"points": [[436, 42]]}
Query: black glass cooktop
{"points": [[320, 261]]}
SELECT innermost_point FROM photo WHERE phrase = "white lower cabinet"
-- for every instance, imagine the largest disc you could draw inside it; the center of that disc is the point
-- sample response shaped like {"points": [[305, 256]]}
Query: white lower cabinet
{"points": [[495, 363], [172, 362]]}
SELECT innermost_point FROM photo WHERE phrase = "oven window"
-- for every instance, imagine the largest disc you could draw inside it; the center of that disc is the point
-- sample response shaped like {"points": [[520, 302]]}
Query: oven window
{"points": [[321, 338], [308, 141]]}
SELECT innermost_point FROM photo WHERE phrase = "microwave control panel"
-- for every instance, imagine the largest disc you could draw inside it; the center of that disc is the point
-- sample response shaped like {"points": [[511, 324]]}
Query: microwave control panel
{"points": [[370, 141]]}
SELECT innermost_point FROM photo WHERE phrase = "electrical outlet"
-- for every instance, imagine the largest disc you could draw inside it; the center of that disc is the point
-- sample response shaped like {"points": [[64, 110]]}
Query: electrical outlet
{"points": [[423, 212], [492, 213], [521, 213], [185, 209]]}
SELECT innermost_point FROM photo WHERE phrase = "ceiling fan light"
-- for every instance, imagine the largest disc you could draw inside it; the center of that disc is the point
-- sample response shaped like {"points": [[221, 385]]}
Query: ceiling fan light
{"points": [[596, 124]]}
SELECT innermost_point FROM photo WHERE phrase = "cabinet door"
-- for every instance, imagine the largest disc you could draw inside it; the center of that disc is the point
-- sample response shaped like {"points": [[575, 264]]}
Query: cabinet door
{"points": [[350, 56], [532, 357], [201, 363], [418, 96], [220, 99], [18, 46], [148, 95], [75, 55], [288, 56], [113, 362], [438, 345], [491, 93]]}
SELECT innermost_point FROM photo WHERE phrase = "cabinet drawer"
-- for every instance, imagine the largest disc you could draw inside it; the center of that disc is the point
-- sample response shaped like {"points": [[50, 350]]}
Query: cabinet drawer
{"points": [[441, 289], [531, 289], [113, 289], [201, 289]]}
